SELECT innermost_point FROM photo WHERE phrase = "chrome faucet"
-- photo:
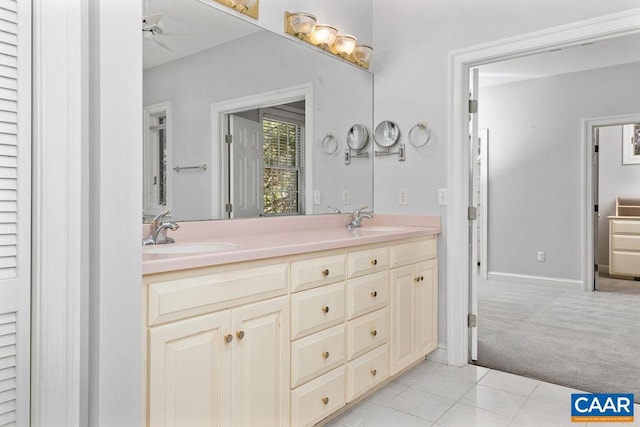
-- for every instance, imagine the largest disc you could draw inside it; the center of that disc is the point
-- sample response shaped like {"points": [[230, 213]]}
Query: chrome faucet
{"points": [[334, 209], [357, 217], [159, 229]]}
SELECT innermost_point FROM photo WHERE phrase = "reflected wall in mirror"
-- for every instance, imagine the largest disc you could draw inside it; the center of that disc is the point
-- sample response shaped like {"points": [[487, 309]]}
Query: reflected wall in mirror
{"points": [[277, 98]]}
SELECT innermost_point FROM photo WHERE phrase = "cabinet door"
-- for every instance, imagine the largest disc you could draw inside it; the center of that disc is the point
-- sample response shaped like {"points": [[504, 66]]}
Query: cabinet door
{"points": [[425, 302], [402, 325], [189, 372], [260, 367]]}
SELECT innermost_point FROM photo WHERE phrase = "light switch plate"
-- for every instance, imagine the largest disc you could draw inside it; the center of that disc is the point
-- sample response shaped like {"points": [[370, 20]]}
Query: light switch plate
{"points": [[443, 196], [403, 197], [346, 197]]}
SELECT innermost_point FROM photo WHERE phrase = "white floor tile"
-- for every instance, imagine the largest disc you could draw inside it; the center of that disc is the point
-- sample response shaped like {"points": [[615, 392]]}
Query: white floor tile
{"points": [[553, 410], [529, 420], [552, 393], [442, 384], [461, 415], [467, 372], [508, 382], [386, 393], [420, 404], [491, 399], [353, 416], [387, 417]]}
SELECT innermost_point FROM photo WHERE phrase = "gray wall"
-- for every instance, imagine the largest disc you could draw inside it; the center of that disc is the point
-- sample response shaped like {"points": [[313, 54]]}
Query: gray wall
{"points": [[535, 165], [616, 179]]}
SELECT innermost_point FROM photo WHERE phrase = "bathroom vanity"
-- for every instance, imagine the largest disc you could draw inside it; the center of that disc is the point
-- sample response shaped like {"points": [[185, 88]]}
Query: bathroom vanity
{"points": [[286, 326], [624, 238]]}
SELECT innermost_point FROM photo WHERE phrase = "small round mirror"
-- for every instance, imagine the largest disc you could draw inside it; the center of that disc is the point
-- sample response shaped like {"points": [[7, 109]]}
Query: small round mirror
{"points": [[386, 134], [358, 137]]}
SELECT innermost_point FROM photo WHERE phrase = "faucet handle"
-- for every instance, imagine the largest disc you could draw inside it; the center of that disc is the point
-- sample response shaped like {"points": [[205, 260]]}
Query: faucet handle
{"points": [[334, 209], [159, 219], [357, 211]]}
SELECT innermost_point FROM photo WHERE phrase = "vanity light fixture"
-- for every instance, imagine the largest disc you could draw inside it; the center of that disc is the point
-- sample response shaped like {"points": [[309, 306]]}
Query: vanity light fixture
{"points": [[302, 24], [326, 37], [246, 7]]}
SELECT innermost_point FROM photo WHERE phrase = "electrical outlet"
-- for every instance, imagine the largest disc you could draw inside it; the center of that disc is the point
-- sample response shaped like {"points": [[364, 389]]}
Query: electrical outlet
{"points": [[403, 197], [443, 196], [541, 256], [317, 197], [346, 197]]}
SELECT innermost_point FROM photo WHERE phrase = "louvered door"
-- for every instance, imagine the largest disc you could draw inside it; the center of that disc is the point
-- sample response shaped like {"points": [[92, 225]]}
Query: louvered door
{"points": [[15, 195]]}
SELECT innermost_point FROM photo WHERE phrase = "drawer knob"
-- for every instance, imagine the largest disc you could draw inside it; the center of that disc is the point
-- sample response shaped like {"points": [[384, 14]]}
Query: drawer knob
{"points": [[325, 354], [374, 333], [374, 372], [374, 294], [240, 334], [325, 272], [374, 262], [228, 338], [325, 400], [325, 309], [419, 278]]}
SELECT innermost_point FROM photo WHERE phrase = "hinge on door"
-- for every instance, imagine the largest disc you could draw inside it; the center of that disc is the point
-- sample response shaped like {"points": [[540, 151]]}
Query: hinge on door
{"points": [[472, 320], [472, 213], [595, 268], [596, 148], [595, 208], [228, 139], [473, 106], [228, 208]]}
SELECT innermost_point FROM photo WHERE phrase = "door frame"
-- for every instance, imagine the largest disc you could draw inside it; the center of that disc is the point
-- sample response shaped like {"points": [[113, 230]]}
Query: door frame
{"points": [[460, 61], [588, 125], [220, 110]]}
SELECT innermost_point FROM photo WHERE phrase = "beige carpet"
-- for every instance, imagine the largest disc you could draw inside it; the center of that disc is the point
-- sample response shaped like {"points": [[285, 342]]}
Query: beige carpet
{"points": [[584, 340]]}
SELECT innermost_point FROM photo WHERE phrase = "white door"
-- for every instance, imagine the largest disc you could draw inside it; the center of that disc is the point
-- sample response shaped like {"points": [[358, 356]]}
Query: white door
{"points": [[247, 167], [473, 228], [15, 211]]}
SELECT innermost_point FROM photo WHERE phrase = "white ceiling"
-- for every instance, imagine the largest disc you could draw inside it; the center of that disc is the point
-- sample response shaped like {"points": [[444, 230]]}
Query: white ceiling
{"points": [[605, 53], [195, 27]]}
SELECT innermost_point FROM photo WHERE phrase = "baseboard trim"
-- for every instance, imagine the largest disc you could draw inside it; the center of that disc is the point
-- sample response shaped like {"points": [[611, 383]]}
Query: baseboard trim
{"points": [[439, 355], [535, 280]]}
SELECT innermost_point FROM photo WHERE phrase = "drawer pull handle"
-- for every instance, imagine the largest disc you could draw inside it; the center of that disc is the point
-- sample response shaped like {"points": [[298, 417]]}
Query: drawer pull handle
{"points": [[374, 262], [325, 400], [374, 372], [374, 294], [228, 338], [325, 354], [374, 333], [325, 272], [240, 334], [325, 309]]}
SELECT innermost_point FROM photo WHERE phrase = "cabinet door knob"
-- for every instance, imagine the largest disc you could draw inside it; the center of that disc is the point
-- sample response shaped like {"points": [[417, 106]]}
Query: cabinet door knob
{"points": [[325, 309], [374, 333], [325, 354], [325, 400], [374, 294], [374, 262], [240, 334], [419, 278], [325, 272], [228, 338], [374, 372]]}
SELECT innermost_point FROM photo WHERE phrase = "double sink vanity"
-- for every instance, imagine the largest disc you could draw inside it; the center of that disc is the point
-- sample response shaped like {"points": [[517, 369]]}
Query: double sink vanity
{"points": [[284, 321]]}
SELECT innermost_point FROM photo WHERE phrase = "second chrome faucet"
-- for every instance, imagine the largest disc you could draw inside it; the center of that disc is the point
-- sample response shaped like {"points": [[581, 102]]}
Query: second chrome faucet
{"points": [[357, 216]]}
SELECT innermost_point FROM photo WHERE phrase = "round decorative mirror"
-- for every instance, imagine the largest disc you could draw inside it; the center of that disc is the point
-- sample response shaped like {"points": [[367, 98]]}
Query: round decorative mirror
{"points": [[386, 134], [357, 137]]}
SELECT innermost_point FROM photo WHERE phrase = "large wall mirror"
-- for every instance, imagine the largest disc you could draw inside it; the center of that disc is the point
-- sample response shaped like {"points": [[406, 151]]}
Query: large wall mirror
{"points": [[209, 74]]}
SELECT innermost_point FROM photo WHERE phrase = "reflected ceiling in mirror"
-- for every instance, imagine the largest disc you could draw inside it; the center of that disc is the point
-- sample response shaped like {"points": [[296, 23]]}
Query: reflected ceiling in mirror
{"points": [[203, 58]]}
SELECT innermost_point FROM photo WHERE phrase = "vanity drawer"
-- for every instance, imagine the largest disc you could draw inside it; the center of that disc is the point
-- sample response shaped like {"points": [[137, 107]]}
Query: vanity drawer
{"points": [[367, 293], [177, 295], [412, 252], [307, 274], [317, 309], [625, 242], [367, 371], [367, 332], [367, 261], [316, 354], [316, 400], [625, 263], [627, 226]]}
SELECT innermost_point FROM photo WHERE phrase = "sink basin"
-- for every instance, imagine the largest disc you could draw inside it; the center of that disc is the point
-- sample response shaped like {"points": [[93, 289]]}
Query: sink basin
{"points": [[383, 228], [186, 248]]}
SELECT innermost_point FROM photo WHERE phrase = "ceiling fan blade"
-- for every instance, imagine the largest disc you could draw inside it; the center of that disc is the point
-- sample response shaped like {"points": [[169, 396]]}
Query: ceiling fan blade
{"points": [[150, 21], [162, 45]]}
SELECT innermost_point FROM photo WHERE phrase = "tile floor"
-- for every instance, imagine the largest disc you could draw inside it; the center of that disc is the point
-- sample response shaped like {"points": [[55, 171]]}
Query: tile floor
{"points": [[432, 394]]}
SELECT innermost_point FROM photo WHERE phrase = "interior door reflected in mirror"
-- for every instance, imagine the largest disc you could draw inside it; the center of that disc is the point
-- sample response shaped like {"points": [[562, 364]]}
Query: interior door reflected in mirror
{"points": [[206, 58]]}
